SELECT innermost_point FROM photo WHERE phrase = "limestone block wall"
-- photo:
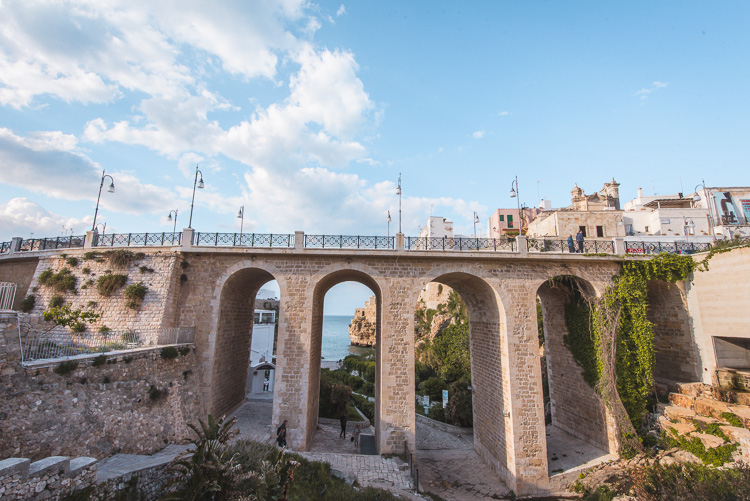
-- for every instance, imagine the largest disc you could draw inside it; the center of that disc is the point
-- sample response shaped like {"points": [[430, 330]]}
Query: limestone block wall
{"points": [[572, 400], [20, 272], [718, 301], [50, 478], [676, 350], [134, 403], [157, 310]]}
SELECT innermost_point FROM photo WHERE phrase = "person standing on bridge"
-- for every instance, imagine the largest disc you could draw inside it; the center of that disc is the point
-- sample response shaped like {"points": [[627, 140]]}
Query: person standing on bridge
{"points": [[355, 437], [579, 240], [342, 419], [571, 245]]}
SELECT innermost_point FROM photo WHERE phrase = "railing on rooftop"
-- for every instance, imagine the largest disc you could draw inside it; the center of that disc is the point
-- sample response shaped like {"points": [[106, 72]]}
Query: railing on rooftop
{"points": [[137, 239], [37, 244], [460, 244], [244, 239], [348, 242], [5, 247], [589, 246], [670, 247], [57, 344]]}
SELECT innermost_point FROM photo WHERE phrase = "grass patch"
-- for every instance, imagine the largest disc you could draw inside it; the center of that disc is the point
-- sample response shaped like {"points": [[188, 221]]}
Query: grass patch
{"points": [[134, 293], [109, 283], [715, 456], [56, 301], [66, 367], [62, 281], [72, 261], [27, 304], [99, 361], [169, 353], [732, 419], [120, 258]]}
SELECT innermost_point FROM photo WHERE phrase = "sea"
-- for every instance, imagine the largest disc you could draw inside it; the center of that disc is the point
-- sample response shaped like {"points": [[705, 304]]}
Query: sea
{"points": [[336, 344]]}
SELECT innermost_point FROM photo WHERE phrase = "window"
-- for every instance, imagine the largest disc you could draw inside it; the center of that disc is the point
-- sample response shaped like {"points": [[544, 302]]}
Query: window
{"points": [[583, 230], [502, 217], [510, 221], [645, 229], [600, 231]]}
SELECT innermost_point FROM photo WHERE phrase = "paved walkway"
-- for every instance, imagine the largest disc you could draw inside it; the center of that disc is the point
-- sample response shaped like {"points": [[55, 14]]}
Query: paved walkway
{"points": [[458, 475]]}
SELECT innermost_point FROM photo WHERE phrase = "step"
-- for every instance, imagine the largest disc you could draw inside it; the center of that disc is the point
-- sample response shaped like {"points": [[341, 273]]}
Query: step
{"points": [[710, 407], [692, 389], [680, 413], [679, 427], [682, 400], [735, 434], [733, 396], [709, 441], [742, 412]]}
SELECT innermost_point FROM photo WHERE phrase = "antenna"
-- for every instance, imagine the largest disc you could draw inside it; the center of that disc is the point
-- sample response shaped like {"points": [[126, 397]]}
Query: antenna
{"points": [[538, 196]]}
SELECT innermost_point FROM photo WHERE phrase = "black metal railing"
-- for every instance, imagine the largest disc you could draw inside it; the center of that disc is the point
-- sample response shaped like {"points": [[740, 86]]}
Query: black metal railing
{"points": [[460, 244], [37, 244], [5, 247], [137, 239], [669, 247], [589, 246], [244, 239], [348, 242]]}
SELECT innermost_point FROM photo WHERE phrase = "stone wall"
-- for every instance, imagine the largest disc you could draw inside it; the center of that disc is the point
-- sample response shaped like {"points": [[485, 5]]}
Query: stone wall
{"points": [[20, 272], [51, 478], [718, 300], [134, 403], [676, 350]]}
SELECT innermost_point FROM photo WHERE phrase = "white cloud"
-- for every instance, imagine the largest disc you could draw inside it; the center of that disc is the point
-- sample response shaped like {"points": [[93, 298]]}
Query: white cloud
{"points": [[644, 92], [503, 114], [21, 217], [341, 11], [479, 134]]}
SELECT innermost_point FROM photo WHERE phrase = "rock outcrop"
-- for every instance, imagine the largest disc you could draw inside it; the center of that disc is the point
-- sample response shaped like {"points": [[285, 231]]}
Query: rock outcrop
{"points": [[362, 327]]}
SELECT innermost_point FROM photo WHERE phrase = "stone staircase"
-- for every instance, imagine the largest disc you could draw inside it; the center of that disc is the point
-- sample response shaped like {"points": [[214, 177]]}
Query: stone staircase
{"points": [[701, 404]]}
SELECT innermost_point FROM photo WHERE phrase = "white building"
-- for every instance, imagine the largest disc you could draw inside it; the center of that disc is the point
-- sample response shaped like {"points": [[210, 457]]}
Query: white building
{"points": [[262, 369], [728, 209], [666, 218], [436, 232]]}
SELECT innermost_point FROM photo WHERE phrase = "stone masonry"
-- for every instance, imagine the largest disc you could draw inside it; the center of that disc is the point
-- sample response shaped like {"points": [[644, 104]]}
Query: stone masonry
{"points": [[213, 289], [362, 326]]}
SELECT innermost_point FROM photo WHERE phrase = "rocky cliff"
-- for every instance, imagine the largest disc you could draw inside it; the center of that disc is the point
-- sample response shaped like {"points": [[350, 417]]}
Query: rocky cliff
{"points": [[362, 327]]}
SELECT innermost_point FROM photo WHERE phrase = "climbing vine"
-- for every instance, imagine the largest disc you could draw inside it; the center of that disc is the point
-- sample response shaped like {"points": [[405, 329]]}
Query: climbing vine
{"points": [[616, 330]]}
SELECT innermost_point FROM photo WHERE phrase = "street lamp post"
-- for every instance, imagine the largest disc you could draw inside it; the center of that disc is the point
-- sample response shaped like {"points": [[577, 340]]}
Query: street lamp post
{"points": [[515, 193], [104, 227], [388, 219], [398, 192], [200, 185], [241, 217], [110, 189], [169, 219], [476, 220], [697, 198], [621, 222]]}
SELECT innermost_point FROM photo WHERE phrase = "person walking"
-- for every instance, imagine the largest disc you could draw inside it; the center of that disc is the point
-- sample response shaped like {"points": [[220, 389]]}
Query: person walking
{"points": [[571, 245], [355, 437], [342, 420], [281, 434], [579, 240]]}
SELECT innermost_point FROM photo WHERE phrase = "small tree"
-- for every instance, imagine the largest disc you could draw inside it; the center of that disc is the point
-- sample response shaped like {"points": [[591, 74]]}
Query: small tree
{"points": [[72, 319]]}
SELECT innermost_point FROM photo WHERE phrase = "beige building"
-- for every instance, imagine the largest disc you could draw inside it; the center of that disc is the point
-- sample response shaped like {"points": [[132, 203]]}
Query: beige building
{"points": [[597, 216]]}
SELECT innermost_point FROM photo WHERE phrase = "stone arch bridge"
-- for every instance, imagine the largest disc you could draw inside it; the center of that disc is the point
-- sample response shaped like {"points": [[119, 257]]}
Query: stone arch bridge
{"points": [[214, 288]]}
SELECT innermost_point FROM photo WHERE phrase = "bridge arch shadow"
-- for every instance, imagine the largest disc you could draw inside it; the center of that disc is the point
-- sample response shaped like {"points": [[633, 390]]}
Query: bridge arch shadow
{"points": [[230, 341], [578, 430]]}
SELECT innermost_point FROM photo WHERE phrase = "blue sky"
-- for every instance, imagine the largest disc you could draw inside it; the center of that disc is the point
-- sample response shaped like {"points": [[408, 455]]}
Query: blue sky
{"points": [[305, 113]]}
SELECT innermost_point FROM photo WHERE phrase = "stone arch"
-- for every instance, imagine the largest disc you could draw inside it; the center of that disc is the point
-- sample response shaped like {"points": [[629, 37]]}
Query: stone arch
{"points": [[319, 285], [573, 401], [676, 350], [228, 349], [493, 437]]}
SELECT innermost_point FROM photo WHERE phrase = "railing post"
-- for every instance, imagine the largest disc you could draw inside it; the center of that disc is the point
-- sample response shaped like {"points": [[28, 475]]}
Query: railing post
{"points": [[399, 241], [299, 240], [618, 244], [15, 245], [188, 235], [523, 245], [90, 240]]}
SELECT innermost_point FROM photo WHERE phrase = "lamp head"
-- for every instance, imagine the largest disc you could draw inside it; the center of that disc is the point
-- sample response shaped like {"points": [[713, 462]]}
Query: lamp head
{"points": [[169, 217], [398, 190], [621, 223], [697, 198], [111, 187], [512, 193], [239, 214], [476, 218], [200, 183], [691, 225], [389, 216]]}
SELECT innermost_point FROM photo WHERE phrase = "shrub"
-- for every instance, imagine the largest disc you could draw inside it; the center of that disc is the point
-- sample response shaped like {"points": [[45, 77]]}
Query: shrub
{"points": [[333, 397], [78, 327], [86, 270], [135, 293], [99, 361], [459, 409], [120, 258], [691, 481], [66, 367], [169, 352], [155, 394], [104, 330], [90, 255], [107, 284], [72, 261], [146, 269], [26, 305], [437, 412], [88, 283], [127, 360], [184, 350], [62, 281], [433, 387], [56, 301], [364, 405], [732, 419]]}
